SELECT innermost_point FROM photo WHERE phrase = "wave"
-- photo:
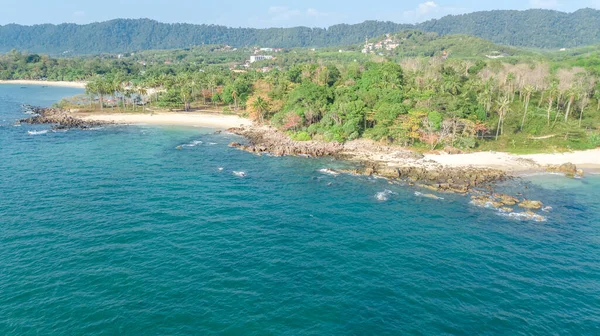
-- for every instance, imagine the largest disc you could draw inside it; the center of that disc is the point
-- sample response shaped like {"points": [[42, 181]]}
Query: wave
{"points": [[507, 212], [239, 173], [524, 216], [37, 132], [191, 144], [328, 171], [384, 195], [432, 196]]}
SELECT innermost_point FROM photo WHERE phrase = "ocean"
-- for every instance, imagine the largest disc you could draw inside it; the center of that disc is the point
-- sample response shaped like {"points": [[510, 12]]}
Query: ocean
{"points": [[117, 231]]}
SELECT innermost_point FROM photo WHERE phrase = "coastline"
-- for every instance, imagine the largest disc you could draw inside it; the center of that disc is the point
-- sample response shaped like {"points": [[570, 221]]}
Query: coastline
{"points": [[371, 154], [193, 119], [77, 85], [383, 158]]}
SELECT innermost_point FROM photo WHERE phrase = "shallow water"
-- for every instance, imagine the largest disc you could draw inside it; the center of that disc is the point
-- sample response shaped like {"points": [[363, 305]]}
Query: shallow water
{"points": [[128, 230]]}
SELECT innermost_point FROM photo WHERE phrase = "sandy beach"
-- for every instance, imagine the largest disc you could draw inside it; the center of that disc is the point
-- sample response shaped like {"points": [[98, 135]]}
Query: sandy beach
{"points": [[78, 85], [518, 163], [170, 118]]}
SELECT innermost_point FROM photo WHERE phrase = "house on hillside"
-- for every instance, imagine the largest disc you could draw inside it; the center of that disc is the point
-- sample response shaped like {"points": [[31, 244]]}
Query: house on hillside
{"points": [[258, 58]]}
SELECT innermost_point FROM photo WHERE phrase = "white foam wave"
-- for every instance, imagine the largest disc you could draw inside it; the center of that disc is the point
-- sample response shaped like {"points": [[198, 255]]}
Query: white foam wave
{"points": [[524, 216], [384, 195], [37, 132], [328, 171], [193, 143]]}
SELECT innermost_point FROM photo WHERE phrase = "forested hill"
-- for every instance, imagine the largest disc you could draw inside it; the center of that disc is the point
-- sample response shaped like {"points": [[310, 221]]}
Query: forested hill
{"points": [[531, 28]]}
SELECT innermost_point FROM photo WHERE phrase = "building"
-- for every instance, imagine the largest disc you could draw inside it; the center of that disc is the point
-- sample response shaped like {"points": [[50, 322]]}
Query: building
{"points": [[258, 58]]}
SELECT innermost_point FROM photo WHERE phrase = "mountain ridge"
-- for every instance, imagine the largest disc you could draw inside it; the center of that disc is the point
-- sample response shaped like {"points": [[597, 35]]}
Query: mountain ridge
{"points": [[536, 28]]}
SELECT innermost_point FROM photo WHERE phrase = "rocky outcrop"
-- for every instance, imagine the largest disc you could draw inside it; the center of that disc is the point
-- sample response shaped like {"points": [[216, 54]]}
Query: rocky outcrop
{"points": [[61, 119], [569, 169], [532, 205], [269, 140], [455, 179], [412, 169]]}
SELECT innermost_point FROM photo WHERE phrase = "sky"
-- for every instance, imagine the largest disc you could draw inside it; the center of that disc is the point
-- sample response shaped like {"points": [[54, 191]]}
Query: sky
{"points": [[260, 13]]}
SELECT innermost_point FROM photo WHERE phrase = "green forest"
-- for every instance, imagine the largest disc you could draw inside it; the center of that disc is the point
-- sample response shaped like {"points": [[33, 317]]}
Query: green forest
{"points": [[533, 28]]}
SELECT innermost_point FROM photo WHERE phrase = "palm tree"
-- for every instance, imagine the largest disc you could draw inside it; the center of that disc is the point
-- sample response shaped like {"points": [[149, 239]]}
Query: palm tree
{"points": [[261, 106], [452, 85], [583, 102], [503, 108], [528, 90], [91, 89], [552, 92], [142, 92], [571, 93]]}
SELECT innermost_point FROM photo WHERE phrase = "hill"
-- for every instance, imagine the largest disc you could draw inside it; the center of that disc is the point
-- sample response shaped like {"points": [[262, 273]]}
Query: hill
{"points": [[531, 28], [415, 43]]}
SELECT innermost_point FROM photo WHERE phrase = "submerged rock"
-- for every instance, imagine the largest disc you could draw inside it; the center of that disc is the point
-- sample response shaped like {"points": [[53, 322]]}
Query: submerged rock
{"points": [[506, 199], [533, 205]]}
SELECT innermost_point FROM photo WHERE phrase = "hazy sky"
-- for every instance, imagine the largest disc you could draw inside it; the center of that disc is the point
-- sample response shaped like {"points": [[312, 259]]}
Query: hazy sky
{"points": [[259, 13]]}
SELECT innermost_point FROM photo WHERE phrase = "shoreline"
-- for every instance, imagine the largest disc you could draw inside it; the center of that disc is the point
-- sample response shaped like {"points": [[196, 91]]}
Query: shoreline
{"points": [[76, 85], [373, 155], [513, 163], [192, 119]]}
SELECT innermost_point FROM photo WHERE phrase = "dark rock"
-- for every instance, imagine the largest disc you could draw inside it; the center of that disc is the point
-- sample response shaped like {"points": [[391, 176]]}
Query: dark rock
{"points": [[61, 119]]}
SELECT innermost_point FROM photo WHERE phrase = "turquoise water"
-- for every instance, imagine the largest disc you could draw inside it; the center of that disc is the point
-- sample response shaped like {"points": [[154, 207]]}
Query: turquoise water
{"points": [[115, 231]]}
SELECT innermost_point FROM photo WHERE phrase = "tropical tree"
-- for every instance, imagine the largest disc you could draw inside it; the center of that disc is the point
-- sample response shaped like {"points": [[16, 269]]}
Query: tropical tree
{"points": [[258, 106], [571, 93], [503, 108], [527, 91], [551, 94]]}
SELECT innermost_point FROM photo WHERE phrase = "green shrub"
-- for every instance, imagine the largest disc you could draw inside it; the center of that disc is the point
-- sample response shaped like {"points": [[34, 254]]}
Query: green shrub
{"points": [[300, 136], [594, 139]]}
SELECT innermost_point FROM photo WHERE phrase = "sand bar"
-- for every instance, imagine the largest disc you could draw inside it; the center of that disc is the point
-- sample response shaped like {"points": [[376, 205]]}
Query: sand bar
{"points": [[78, 85], [518, 163], [171, 118]]}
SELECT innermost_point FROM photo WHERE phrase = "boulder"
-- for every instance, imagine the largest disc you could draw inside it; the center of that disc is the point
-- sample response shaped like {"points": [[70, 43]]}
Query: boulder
{"points": [[533, 205], [569, 169], [507, 199]]}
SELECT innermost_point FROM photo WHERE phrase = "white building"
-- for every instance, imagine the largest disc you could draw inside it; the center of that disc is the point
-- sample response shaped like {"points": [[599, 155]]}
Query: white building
{"points": [[257, 58]]}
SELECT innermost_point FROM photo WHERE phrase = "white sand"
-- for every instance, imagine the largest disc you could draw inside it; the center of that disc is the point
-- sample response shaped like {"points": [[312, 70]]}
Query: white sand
{"points": [[78, 85], [516, 163], [172, 118]]}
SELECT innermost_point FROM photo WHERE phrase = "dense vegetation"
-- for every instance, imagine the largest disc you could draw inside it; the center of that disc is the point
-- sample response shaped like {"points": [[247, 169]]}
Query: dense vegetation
{"points": [[423, 102], [531, 28], [447, 93]]}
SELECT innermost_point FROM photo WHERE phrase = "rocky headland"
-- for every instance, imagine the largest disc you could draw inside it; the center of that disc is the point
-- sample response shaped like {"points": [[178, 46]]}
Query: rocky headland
{"points": [[399, 164], [60, 119]]}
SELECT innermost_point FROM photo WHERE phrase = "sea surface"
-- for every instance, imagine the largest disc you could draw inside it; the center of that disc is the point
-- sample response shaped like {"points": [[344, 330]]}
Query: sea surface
{"points": [[117, 231]]}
